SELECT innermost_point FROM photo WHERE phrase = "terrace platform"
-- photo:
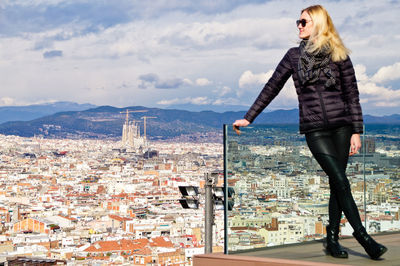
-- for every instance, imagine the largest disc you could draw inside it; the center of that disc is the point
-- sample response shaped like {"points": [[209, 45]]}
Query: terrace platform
{"points": [[309, 253]]}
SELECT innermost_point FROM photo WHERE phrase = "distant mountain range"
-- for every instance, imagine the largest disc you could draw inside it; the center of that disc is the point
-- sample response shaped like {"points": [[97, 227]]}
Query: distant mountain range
{"points": [[29, 112], [107, 121], [387, 119]]}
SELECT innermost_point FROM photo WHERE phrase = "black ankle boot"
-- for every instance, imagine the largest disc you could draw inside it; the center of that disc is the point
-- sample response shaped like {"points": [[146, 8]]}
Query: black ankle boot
{"points": [[332, 245], [373, 249]]}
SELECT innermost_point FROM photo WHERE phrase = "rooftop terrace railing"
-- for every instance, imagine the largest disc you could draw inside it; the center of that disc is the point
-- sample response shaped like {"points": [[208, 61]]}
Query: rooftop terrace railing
{"points": [[282, 194]]}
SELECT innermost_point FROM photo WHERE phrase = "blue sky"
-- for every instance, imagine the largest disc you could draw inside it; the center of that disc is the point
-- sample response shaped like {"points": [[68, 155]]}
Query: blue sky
{"points": [[168, 53]]}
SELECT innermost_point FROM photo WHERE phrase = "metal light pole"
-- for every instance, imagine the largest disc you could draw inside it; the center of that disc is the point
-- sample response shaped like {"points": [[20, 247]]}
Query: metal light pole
{"points": [[209, 213]]}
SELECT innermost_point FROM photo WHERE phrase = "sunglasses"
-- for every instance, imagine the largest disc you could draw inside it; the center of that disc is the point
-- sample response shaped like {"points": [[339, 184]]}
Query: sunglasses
{"points": [[303, 22]]}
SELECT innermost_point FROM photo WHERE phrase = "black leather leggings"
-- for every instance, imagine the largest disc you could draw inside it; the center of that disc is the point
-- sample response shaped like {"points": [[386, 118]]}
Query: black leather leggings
{"points": [[331, 150]]}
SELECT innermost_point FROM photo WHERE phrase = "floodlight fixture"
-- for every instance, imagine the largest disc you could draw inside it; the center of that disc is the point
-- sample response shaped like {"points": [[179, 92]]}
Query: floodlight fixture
{"points": [[189, 203], [219, 198], [190, 197], [231, 191], [219, 192], [219, 204], [231, 203], [189, 191]]}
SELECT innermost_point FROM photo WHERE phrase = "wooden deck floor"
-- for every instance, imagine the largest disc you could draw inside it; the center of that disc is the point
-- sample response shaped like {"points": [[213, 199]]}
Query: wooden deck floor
{"points": [[307, 254]]}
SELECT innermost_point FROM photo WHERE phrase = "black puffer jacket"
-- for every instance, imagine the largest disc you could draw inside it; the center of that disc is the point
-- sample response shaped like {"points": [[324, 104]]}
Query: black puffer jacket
{"points": [[319, 107]]}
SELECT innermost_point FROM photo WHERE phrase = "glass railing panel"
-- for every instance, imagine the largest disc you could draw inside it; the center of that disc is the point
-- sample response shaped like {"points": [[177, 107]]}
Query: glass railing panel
{"points": [[281, 193], [378, 164]]}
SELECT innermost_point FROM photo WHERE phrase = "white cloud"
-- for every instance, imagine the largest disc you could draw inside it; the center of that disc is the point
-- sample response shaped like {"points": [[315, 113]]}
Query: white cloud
{"points": [[248, 79], [32, 2], [223, 91], [374, 95], [386, 104], [200, 100], [231, 33], [361, 73], [227, 101], [202, 82], [8, 101], [170, 101], [387, 73], [188, 82], [5, 101], [215, 42], [250, 83], [192, 100]]}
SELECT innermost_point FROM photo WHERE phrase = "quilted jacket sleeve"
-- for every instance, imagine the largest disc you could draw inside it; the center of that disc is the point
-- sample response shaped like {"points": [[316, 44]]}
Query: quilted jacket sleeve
{"points": [[271, 89], [351, 94]]}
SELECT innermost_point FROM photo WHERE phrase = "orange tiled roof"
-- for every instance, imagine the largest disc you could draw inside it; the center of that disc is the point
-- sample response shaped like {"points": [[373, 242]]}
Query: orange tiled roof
{"points": [[119, 245], [161, 242], [144, 251], [24, 184], [119, 218], [120, 195], [100, 257]]}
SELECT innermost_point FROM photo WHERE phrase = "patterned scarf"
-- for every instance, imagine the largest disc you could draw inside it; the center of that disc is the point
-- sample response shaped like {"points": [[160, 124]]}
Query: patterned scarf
{"points": [[310, 66]]}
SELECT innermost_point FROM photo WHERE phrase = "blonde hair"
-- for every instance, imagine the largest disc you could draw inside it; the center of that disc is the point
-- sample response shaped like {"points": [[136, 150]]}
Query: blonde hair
{"points": [[324, 35]]}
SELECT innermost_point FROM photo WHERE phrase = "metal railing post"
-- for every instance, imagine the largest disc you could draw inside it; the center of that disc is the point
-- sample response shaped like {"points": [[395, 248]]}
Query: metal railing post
{"points": [[365, 182], [225, 185]]}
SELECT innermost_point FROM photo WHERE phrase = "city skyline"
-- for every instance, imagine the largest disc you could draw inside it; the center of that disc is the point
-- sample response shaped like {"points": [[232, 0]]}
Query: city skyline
{"points": [[125, 53], [86, 201]]}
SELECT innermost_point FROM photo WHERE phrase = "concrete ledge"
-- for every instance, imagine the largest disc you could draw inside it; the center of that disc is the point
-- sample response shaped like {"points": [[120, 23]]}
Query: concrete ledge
{"points": [[219, 259]]}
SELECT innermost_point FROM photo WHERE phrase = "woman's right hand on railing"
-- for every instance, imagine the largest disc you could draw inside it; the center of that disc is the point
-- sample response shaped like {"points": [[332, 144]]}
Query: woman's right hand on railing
{"points": [[240, 123]]}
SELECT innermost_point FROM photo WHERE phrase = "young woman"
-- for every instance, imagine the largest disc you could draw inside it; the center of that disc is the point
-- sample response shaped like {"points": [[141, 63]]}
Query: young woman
{"points": [[330, 115]]}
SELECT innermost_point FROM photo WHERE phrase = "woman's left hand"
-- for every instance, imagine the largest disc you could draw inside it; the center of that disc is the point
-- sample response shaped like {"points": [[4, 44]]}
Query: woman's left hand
{"points": [[355, 144]]}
